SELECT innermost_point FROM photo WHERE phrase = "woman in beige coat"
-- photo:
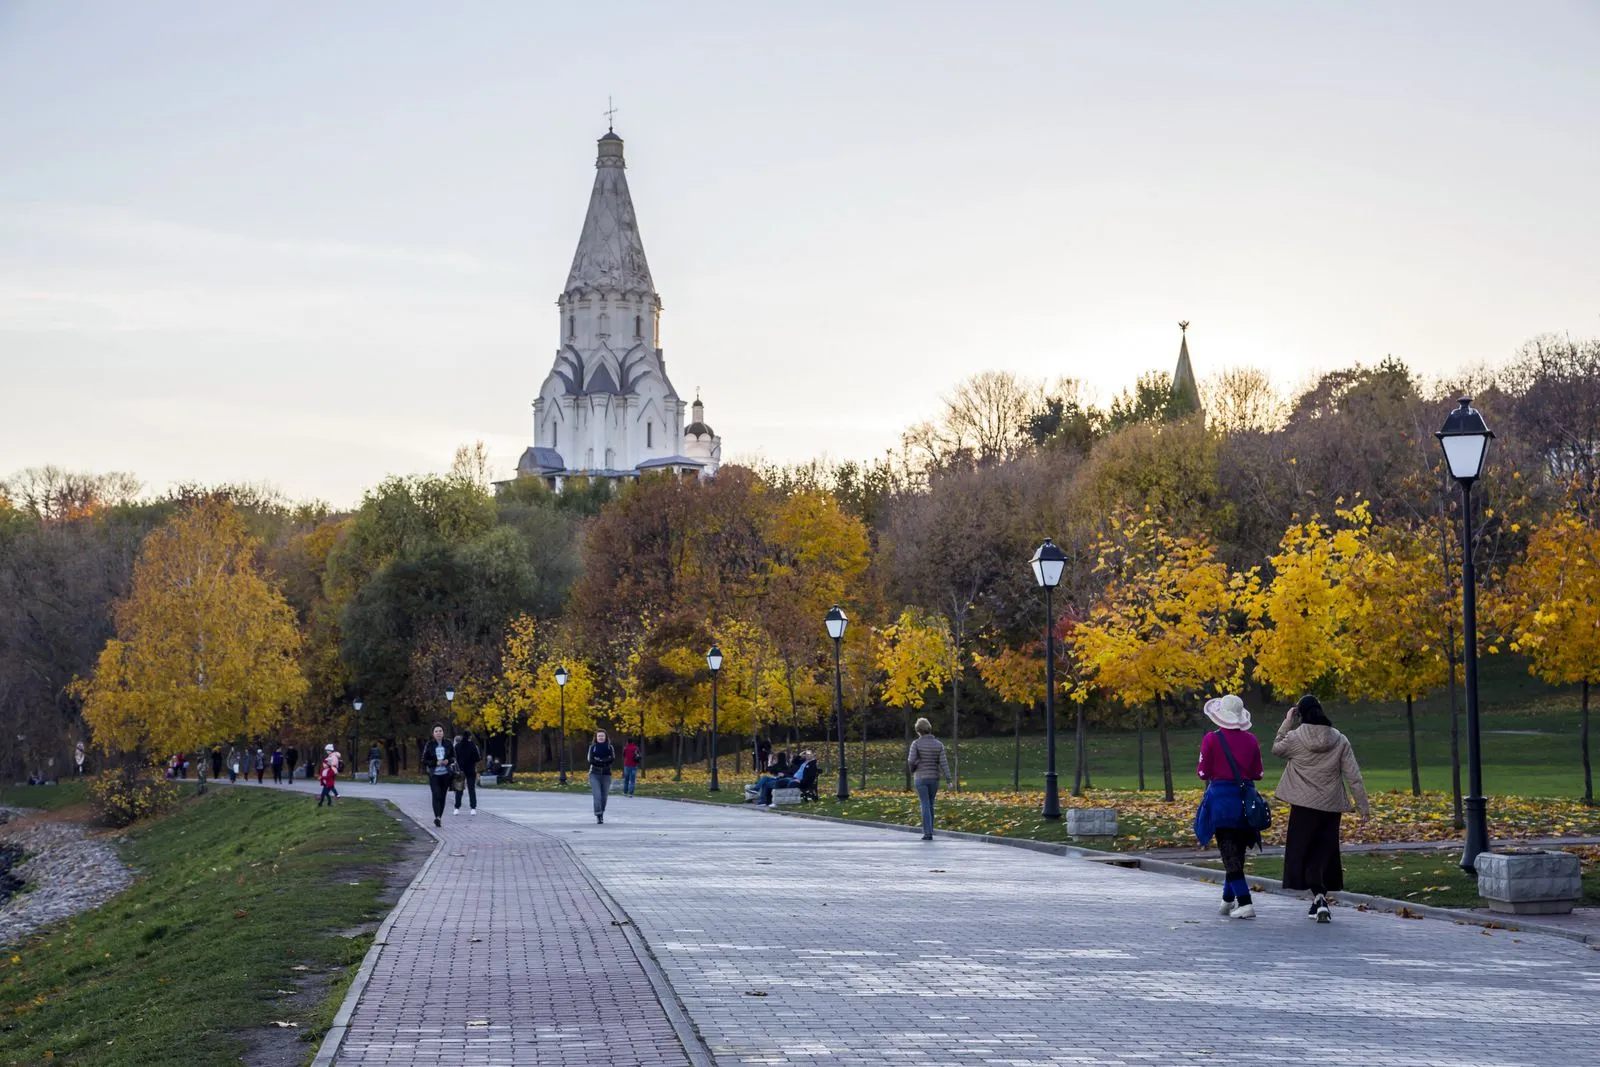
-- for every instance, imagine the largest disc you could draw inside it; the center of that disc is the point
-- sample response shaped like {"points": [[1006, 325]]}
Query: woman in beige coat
{"points": [[1320, 767]]}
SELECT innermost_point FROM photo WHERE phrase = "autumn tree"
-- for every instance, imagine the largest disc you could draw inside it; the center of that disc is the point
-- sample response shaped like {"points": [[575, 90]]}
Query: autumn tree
{"points": [[1552, 608], [1162, 627], [914, 656], [1396, 626], [205, 648], [1307, 606], [1016, 677]]}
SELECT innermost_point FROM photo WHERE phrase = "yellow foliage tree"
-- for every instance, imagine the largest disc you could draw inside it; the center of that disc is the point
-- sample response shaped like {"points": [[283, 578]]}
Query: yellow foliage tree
{"points": [[205, 648], [1551, 604], [914, 656], [1396, 630], [1162, 625], [1017, 678], [1310, 604]]}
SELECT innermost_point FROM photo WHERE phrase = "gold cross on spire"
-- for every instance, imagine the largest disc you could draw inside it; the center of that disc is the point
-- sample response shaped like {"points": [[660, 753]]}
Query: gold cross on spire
{"points": [[611, 115]]}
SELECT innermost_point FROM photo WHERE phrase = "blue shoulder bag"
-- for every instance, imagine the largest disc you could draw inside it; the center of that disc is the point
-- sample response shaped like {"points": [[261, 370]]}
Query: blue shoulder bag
{"points": [[1257, 814]]}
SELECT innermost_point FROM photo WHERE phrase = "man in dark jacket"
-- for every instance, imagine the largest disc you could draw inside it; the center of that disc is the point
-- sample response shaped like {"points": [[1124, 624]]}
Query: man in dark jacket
{"points": [[467, 756]]}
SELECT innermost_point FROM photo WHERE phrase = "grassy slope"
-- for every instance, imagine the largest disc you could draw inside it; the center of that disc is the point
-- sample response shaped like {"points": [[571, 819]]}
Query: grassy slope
{"points": [[236, 889], [43, 797]]}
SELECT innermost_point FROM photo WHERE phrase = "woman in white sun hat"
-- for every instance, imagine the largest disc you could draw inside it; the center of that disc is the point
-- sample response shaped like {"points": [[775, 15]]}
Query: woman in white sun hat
{"points": [[1230, 759]]}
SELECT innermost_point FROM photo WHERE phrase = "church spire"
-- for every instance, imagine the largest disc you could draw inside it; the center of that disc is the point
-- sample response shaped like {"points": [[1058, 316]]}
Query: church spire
{"points": [[610, 255], [1185, 390]]}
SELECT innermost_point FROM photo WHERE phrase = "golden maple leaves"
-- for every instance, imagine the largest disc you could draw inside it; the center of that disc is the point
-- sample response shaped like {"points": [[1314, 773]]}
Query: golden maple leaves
{"points": [[204, 648]]}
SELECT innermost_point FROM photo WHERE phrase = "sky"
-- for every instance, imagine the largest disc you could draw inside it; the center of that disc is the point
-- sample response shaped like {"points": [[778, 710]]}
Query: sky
{"points": [[312, 245]]}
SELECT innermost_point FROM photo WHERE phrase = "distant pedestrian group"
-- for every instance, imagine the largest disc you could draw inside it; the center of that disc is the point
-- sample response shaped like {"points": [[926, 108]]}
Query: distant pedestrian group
{"points": [[1321, 781]]}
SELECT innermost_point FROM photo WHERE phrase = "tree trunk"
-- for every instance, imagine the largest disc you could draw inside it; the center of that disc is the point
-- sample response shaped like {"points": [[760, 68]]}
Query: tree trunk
{"points": [[863, 748], [1411, 740], [677, 773], [1166, 751], [1583, 739], [1080, 769], [1016, 747], [908, 746], [955, 732], [1455, 748], [1139, 720]]}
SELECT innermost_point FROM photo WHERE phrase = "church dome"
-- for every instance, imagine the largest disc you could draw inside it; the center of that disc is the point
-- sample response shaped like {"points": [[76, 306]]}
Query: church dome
{"points": [[698, 429]]}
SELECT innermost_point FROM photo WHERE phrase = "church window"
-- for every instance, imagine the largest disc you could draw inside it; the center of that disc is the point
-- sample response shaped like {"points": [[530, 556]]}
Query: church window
{"points": [[554, 436], [638, 326], [572, 326], [605, 324], [649, 435]]}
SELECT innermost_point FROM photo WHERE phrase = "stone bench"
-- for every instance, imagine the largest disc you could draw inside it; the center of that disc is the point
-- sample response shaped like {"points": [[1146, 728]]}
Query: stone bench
{"points": [[1532, 881], [1092, 822], [783, 797]]}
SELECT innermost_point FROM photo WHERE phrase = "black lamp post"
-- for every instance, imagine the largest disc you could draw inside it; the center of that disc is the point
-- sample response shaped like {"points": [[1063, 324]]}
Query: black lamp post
{"points": [[1465, 438], [1048, 563], [561, 732], [714, 661], [355, 735], [835, 622]]}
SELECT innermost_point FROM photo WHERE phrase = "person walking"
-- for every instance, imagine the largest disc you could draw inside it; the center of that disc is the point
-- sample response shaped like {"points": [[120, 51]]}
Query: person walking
{"points": [[327, 776], [234, 759], [1230, 757], [78, 758], [374, 761], [216, 762], [291, 760], [928, 764], [630, 767], [261, 765], [1319, 768], [438, 759], [601, 756], [467, 757], [277, 764]]}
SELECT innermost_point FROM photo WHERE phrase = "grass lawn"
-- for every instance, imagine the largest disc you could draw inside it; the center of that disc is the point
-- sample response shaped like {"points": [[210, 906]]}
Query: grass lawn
{"points": [[1423, 877], [239, 903], [44, 797]]}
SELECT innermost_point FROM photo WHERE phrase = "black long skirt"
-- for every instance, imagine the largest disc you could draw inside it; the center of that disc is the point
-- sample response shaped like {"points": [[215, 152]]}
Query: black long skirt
{"points": [[1311, 852]]}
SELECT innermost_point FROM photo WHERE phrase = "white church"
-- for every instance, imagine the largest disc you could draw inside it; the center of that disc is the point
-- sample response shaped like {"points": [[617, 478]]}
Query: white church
{"points": [[607, 409]]}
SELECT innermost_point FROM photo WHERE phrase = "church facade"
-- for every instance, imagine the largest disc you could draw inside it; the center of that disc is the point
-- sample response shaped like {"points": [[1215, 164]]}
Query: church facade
{"points": [[607, 409]]}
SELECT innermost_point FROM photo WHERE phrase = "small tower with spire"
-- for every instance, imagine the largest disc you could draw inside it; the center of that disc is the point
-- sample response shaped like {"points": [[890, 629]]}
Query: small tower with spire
{"points": [[1185, 390]]}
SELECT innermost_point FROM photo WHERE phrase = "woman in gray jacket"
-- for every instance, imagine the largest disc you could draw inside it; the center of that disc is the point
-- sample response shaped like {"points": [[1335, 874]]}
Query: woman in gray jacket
{"points": [[1320, 767], [928, 764]]}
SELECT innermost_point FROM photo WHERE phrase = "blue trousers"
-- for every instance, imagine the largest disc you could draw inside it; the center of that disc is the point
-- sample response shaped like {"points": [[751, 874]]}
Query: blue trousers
{"points": [[926, 790], [628, 776]]}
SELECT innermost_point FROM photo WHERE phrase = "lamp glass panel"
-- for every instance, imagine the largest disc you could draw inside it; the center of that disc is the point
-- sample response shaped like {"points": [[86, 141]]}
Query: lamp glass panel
{"points": [[1464, 453]]}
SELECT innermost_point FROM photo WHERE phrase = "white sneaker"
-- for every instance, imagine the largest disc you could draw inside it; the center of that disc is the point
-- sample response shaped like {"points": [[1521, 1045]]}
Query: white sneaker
{"points": [[458, 811], [474, 811], [1243, 911], [1323, 914], [1226, 909]]}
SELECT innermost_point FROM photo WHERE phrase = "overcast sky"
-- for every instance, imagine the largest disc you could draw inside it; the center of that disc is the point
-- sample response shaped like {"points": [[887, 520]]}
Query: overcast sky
{"points": [[314, 244]]}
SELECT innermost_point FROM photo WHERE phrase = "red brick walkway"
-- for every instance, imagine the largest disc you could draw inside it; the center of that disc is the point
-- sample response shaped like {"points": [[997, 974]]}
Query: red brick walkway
{"points": [[503, 953]]}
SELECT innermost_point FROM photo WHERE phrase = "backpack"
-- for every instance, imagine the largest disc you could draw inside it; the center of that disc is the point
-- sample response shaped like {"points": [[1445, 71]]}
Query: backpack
{"points": [[1257, 814]]}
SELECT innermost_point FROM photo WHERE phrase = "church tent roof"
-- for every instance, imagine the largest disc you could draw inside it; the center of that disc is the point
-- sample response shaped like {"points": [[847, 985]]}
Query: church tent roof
{"points": [[610, 254]]}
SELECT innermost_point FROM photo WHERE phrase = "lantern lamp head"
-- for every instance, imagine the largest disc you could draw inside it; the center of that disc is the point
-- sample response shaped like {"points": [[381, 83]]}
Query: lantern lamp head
{"points": [[561, 675], [1048, 562], [1465, 438], [714, 659], [835, 622]]}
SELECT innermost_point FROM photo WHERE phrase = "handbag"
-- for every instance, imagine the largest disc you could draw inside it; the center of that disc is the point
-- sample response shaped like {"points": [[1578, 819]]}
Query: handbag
{"points": [[1257, 813]]}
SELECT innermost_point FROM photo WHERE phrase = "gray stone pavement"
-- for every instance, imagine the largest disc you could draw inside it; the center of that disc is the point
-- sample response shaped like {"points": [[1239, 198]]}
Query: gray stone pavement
{"points": [[792, 941]]}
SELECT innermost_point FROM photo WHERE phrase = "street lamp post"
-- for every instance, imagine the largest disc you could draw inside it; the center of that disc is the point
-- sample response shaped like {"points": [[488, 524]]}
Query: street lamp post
{"points": [[836, 622], [1048, 562], [561, 733], [355, 735], [714, 661], [1465, 439]]}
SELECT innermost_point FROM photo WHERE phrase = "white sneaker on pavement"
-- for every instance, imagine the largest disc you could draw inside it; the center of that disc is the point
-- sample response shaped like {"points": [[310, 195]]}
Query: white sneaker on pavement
{"points": [[474, 811], [1243, 911], [458, 811], [1226, 909]]}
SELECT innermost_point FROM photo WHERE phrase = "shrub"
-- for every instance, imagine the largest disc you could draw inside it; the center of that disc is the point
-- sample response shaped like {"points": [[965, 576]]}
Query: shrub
{"points": [[122, 797]]}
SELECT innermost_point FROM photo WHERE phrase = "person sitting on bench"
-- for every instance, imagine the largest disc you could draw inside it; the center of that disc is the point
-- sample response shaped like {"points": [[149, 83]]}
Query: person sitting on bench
{"points": [[767, 783]]}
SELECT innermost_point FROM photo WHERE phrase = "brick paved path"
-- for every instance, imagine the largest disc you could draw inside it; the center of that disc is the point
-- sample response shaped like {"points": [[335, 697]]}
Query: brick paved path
{"points": [[872, 947], [503, 953]]}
